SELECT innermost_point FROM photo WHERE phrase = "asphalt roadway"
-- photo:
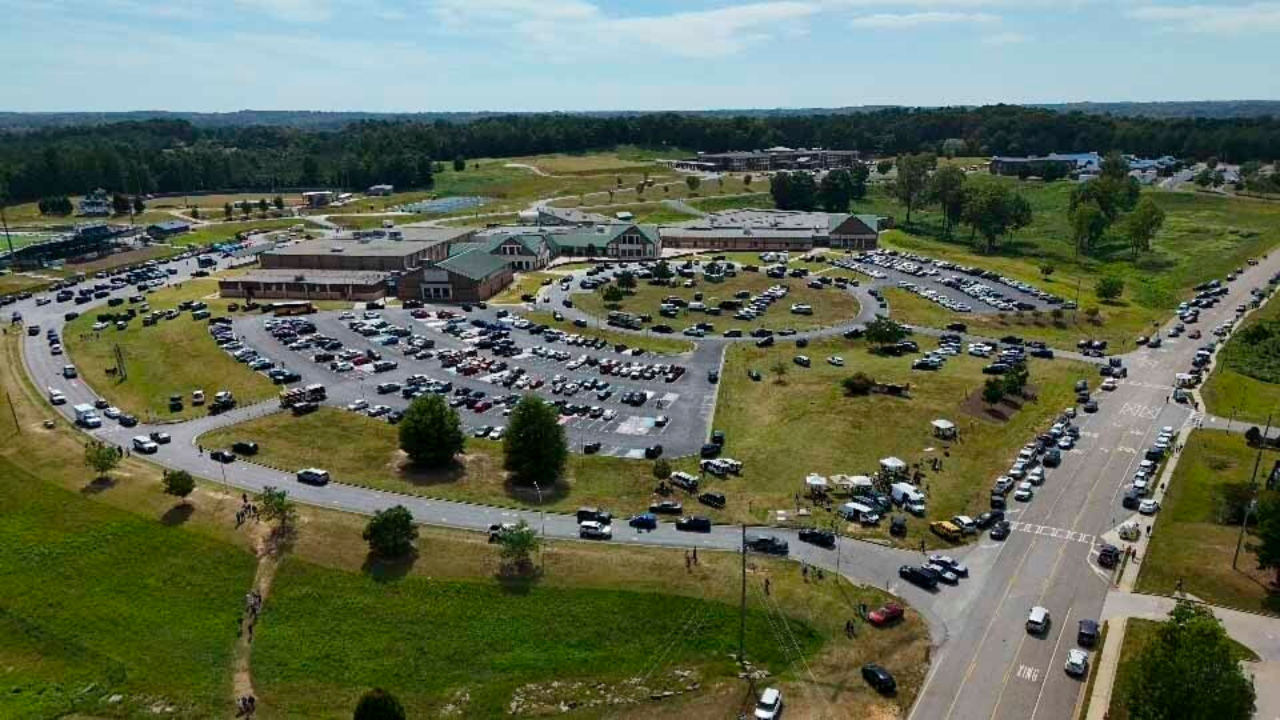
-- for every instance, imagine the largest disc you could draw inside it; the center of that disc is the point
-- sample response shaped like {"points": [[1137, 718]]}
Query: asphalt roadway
{"points": [[985, 664]]}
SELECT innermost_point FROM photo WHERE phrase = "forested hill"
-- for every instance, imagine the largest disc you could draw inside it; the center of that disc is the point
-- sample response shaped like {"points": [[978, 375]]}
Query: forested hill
{"points": [[320, 120], [174, 155]]}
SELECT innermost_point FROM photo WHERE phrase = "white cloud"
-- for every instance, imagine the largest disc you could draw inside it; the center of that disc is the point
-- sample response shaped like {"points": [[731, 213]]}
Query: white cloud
{"points": [[1217, 19], [890, 21], [1006, 38], [565, 29]]}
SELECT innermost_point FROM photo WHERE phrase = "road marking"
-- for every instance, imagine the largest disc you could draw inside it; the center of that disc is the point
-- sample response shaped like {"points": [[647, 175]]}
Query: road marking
{"points": [[1028, 673]]}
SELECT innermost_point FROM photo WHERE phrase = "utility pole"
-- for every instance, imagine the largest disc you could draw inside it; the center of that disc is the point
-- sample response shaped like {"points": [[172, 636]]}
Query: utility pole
{"points": [[742, 614], [1253, 501]]}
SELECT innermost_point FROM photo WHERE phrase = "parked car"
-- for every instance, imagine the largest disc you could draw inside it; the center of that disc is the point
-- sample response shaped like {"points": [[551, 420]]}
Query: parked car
{"points": [[768, 544], [1077, 664], [244, 447], [918, 576], [594, 530], [879, 678], [1000, 530], [694, 523], [666, 507], [644, 521], [769, 706], [222, 456], [313, 476], [886, 615], [815, 536]]}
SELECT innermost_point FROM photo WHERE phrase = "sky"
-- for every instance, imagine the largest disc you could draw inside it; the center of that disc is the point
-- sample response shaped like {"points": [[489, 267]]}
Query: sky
{"points": [[543, 55]]}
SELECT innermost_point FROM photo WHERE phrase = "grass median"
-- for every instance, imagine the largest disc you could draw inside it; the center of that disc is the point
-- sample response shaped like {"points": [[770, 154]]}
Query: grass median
{"points": [[1195, 534], [1244, 384], [830, 305], [172, 357]]}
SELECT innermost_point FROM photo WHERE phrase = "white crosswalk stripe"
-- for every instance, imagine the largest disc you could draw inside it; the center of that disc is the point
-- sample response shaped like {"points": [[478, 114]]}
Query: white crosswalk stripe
{"points": [[1046, 531]]}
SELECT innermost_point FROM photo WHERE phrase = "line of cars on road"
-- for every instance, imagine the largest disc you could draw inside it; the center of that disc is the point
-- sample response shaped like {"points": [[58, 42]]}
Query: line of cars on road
{"points": [[1144, 478]]}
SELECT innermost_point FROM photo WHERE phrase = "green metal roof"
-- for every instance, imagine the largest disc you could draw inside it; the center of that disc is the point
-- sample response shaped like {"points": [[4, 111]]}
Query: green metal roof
{"points": [[475, 265]]}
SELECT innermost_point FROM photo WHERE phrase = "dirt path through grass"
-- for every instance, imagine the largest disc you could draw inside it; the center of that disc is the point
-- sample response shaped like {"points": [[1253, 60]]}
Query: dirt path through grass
{"points": [[268, 562]]}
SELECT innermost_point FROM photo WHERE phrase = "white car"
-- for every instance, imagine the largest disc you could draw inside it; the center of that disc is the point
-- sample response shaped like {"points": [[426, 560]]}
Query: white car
{"points": [[1077, 662], [1024, 492], [592, 530], [836, 360], [609, 414], [1148, 507], [112, 412], [1069, 412], [965, 523], [770, 704], [1066, 443], [358, 405], [1109, 384]]}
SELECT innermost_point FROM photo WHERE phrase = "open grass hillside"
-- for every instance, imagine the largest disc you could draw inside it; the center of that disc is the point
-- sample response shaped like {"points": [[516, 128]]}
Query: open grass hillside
{"points": [[1198, 526], [1245, 383]]}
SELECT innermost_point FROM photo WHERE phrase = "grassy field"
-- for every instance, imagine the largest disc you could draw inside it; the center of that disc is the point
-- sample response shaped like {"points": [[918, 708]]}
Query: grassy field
{"points": [[172, 357], [664, 344], [652, 213], [1189, 541], [115, 260], [370, 222], [759, 200], [211, 205], [526, 283], [1236, 387], [84, 612], [226, 231], [11, 283], [27, 216], [831, 306], [806, 424], [1138, 634], [1203, 238]]}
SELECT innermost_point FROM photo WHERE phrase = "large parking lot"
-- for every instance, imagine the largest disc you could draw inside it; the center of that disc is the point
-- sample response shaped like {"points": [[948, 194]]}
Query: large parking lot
{"points": [[613, 400]]}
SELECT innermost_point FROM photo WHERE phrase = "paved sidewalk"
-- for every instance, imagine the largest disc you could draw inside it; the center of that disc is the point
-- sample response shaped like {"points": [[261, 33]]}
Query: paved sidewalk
{"points": [[1105, 670]]}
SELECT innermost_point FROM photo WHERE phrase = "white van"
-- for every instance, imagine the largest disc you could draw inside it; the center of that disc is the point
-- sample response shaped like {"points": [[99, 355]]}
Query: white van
{"points": [[857, 512], [1038, 620]]}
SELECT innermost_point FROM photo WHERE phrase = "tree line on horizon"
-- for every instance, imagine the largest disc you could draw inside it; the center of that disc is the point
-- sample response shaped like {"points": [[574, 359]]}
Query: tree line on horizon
{"points": [[140, 157]]}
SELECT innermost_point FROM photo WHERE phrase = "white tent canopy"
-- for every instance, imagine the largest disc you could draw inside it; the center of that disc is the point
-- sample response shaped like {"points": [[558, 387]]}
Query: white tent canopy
{"points": [[815, 481], [943, 425], [893, 465]]}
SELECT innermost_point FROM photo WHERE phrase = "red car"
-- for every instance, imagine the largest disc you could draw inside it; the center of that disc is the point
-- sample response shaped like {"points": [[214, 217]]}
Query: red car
{"points": [[886, 615]]}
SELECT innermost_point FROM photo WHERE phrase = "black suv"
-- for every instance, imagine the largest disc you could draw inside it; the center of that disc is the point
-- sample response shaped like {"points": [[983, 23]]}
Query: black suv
{"points": [[821, 538], [767, 544], [694, 523], [918, 576], [879, 678]]}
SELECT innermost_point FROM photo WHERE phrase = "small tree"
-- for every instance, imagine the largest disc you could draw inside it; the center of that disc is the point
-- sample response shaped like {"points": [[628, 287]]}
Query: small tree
{"points": [[627, 280], [992, 391], [178, 483], [378, 704], [459, 164], [746, 180], [535, 447], [1092, 313], [139, 205], [274, 505], [882, 331], [1109, 288], [227, 211], [612, 294], [884, 166], [517, 546], [195, 213], [101, 458], [661, 469], [431, 432], [391, 532], [120, 204], [779, 370], [694, 182], [1015, 381], [858, 383], [279, 202], [1046, 269], [1143, 224], [263, 205]]}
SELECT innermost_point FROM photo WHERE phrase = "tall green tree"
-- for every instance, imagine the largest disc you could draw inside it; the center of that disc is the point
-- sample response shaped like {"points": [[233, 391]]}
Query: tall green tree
{"points": [[100, 457], [1143, 224], [911, 188], [1189, 671], [1088, 226], [884, 166], [882, 331], [431, 432], [535, 447], [947, 190], [517, 546], [275, 506], [227, 211], [178, 483], [279, 202], [693, 182], [835, 191], [626, 280], [121, 204], [459, 163], [858, 175], [992, 391], [391, 532], [993, 210], [378, 704], [1268, 533]]}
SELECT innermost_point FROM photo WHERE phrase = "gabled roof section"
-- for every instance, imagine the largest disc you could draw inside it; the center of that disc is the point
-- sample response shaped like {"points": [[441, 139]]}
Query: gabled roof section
{"points": [[474, 265]]}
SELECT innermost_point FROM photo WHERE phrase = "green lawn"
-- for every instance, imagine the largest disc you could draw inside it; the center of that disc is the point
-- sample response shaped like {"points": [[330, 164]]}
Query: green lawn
{"points": [[761, 199], [806, 424], [1190, 543], [18, 283], [365, 451], [1203, 238], [97, 597], [656, 343], [652, 213], [370, 222], [226, 231], [526, 283], [831, 306], [425, 640], [1242, 384], [172, 357]]}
